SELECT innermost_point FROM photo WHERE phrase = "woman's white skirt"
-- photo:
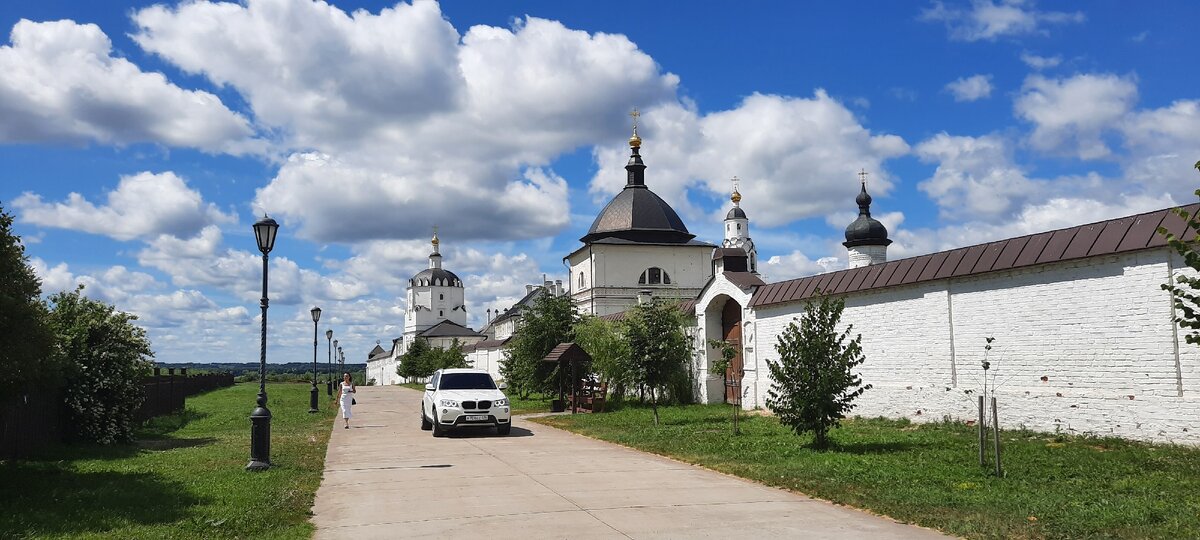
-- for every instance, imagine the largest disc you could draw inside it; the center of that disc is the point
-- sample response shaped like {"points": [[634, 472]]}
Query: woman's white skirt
{"points": [[346, 408]]}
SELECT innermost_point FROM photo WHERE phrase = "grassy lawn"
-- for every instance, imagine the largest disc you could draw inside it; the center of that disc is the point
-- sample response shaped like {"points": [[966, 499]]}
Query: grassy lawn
{"points": [[184, 477], [928, 474], [535, 403]]}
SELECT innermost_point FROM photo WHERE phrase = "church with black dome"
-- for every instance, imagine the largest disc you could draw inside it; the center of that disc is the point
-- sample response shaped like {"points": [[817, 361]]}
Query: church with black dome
{"points": [[637, 245]]}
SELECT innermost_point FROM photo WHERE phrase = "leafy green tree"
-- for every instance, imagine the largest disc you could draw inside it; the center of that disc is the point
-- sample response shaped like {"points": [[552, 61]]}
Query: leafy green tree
{"points": [[27, 353], [109, 356], [603, 341], [659, 350], [814, 380], [449, 358], [416, 363], [1185, 292], [548, 322]]}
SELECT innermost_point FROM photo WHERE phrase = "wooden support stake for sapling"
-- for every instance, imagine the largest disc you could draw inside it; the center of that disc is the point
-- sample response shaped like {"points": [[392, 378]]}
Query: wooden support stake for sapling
{"points": [[996, 428], [982, 435]]}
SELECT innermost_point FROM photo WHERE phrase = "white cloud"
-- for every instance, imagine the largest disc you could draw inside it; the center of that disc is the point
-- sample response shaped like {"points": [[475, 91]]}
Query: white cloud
{"points": [[143, 205], [971, 88], [797, 264], [61, 83], [975, 176], [1071, 115], [797, 157], [1162, 147], [988, 20], [404, 120], [1040, 62]]}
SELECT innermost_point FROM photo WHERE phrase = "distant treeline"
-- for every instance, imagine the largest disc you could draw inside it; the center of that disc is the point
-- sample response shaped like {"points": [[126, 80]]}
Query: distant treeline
{"points": [[245, 368]]}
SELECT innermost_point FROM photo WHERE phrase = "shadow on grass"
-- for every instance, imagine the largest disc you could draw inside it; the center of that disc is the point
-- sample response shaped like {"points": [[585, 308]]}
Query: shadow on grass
{"points": [[74, 502], [874, 447], [158, 445]]}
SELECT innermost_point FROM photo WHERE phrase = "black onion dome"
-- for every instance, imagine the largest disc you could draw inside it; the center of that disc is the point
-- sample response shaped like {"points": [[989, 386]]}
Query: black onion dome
{"points": [[637, 214], [436, 276], [865, 230], [736, 213]]}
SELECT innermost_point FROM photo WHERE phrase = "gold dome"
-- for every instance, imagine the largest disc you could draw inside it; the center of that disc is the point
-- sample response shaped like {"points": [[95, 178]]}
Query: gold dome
{"points": [[736, 197], [635, 141]]}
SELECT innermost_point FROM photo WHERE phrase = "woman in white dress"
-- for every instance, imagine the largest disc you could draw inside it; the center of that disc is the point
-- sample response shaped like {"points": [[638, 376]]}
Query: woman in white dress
{"points": [[346, 398]]}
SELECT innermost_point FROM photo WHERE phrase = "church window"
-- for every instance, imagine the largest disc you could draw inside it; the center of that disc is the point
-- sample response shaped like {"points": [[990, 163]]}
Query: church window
{"points": [[739, 227], [441, 296], [654, 276], [441, 313]]}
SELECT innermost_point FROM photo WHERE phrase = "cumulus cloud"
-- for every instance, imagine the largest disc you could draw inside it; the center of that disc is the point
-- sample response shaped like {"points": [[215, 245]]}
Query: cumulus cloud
{"points": [[1161, 146], [1071, 115], [142, 205], [988, 20], [971, 88], [975, 176], [797, 157], [797, 264], [402, 119], [1040, 62], [62, 84]]}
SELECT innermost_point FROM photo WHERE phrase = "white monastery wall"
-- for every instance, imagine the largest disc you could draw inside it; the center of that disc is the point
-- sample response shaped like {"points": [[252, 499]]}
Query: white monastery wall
{"points": [[1082, 346], [487, 359]]}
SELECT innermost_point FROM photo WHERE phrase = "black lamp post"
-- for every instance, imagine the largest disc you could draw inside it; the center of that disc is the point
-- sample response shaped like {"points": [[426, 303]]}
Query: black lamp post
{"points": [[314, 393], [329, 362], [260, 419], [337, 385], [341, 361]]}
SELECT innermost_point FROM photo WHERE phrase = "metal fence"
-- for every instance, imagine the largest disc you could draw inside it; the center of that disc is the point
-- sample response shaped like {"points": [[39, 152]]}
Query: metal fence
{"points": [[29, 422]]}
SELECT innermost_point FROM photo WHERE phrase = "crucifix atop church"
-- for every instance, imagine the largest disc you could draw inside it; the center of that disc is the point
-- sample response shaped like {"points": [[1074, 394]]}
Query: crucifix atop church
{"points": [[862, 177], [635, 114]]}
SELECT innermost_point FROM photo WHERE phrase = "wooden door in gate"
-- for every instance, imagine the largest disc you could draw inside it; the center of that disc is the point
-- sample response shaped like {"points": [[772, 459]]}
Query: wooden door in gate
{"points": [[731, 326]]}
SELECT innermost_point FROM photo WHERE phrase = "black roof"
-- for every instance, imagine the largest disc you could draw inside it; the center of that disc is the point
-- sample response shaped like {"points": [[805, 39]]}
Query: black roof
{"points": [[637, 214], [736, 212], [866, 230], [431, 275], [1120, 235], [448, 329]]}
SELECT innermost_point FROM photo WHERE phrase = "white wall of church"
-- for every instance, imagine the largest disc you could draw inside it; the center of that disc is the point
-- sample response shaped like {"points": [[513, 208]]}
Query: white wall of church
{"points": [[611, 274], [487, 359], [1082, 346]]}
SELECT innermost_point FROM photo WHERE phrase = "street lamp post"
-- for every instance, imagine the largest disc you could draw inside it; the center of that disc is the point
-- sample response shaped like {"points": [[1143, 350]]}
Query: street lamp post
{"points": [[337, 385], [260, 419], [341, 360], [314, 393], [329, 362]]}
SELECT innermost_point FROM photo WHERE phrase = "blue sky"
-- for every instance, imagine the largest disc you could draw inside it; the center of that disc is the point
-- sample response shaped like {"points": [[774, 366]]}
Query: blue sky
{"points": [[139, 141]]}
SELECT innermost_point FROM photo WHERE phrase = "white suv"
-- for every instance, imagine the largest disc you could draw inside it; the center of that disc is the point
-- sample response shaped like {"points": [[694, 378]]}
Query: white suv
{"points": [[464, 397]]}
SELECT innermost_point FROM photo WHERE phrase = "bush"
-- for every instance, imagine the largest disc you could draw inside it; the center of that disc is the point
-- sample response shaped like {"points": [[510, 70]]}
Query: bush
{"points": [[815, 384], [1186, 293], [108, 358]]}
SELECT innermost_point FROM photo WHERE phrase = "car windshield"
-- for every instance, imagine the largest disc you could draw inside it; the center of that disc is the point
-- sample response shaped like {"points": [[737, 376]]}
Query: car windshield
{"points": [[466, 381]]}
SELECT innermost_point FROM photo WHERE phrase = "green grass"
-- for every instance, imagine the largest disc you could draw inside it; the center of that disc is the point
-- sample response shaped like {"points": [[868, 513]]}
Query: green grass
{"points": [[184, 477], [535, 403], [1054, 487]]}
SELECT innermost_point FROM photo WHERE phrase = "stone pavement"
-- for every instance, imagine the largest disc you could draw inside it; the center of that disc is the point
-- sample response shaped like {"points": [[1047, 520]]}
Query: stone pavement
{"points": [[385, 478]]}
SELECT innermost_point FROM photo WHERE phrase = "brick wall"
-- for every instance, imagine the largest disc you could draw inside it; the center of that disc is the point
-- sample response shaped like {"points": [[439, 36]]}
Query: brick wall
{"points": [[1084, 347]]}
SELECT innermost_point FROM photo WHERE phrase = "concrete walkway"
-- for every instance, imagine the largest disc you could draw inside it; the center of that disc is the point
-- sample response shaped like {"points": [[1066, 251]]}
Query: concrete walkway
{"points": [[385, 478]]}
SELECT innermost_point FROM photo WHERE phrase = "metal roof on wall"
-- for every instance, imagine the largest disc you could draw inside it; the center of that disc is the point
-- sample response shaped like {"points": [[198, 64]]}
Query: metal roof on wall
{"points": [[1130, 233]]}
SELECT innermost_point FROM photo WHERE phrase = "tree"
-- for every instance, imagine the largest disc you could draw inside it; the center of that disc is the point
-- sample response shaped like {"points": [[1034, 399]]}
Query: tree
{"points": [[415, 362], [109, 356], [659, 351], [27, 353], [1185, 292], [814, 380], [548, 322], [602, 341], [449, 358]]}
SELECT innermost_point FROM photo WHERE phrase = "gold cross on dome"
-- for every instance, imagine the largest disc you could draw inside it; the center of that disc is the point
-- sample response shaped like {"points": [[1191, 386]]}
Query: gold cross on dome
{"points": [[735, 181], [635, 114], [862, 176]]}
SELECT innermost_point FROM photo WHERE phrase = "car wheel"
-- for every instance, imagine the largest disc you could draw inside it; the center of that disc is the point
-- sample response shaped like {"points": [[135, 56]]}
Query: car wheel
{"points": [[438, 430], [503, 429], [426, 425]]}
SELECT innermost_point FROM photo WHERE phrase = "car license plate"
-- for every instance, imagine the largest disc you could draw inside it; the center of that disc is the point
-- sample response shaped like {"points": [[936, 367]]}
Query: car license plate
{"points": [[477, 417]]}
